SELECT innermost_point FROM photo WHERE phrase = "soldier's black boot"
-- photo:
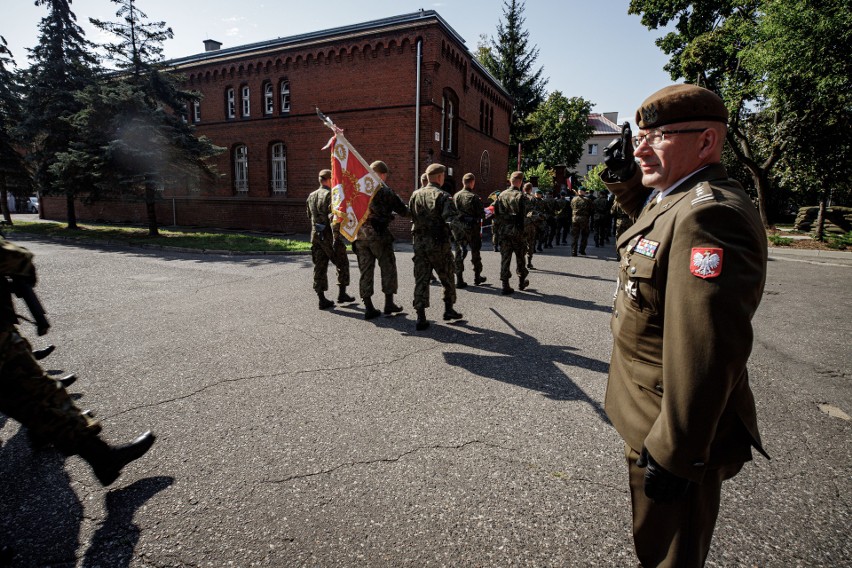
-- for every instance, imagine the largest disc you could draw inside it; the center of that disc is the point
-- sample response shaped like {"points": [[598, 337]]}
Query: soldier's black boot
{"points": [[40, 354], [422, 323], [523, 284], [390, 307], [342, 296], [450, 313], [478, 279], [370, 311], [108, 461], [68, 380], [460, 283], [506, 288], [324, 303]]}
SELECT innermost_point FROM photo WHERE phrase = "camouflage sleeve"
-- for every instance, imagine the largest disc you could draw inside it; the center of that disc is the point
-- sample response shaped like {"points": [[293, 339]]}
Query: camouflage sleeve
{"points": [[15, 260], [398, 206]]}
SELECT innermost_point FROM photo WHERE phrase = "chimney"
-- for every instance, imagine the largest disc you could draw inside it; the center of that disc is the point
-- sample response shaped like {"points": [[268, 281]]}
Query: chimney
{"points": [[212, 45], [611, 116]]}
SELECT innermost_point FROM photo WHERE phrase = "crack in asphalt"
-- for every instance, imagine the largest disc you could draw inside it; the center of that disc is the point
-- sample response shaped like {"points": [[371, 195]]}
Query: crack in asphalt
{"points": [[385, 460], [267, 376]]}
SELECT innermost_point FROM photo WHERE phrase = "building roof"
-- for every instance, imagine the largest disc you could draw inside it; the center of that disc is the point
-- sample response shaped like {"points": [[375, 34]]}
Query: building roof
{"points": [[335, 34], [602, 125]]}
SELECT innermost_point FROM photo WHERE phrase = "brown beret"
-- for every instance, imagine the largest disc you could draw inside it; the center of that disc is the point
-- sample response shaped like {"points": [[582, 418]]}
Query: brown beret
{"points": [[380, 167], [435, 169], [468, 177], [680, 103], [325, 174]]}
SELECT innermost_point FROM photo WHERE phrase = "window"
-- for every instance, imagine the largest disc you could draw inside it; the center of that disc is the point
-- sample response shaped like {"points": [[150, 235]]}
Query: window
{"points": [[196, 111], [449, 122], [589, 167], [486, 118], [268, 99], [246, 100], [279, 169], [241, 169], [183, 115], [285, 96], [593, 149], [230, 103], [482, 119]]}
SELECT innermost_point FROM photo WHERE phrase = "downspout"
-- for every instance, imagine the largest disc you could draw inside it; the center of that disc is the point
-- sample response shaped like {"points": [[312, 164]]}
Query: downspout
{"points": [[417, 119]]}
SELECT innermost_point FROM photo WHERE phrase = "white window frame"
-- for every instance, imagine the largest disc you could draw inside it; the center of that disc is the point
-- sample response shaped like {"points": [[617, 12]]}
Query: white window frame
{"points": [[196, 111], [279, 169], [246, 94], [285, 95], [593, 149], [268, 99], [241, 169], [231, 101]]}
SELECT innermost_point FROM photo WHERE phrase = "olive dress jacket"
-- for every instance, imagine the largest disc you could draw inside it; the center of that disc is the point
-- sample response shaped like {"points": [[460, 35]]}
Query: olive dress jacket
{"points": [[691, 276]]}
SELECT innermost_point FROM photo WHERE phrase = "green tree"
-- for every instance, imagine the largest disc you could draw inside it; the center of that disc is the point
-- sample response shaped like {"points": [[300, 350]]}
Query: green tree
{"points": [[544, 174], [511, 59], [13, 171], [131, 132], [63, 65], [593, 181], [560, 128]]}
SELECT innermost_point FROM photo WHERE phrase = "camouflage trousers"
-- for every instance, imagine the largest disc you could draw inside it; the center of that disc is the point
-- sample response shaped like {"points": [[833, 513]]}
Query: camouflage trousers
{"points": [[579, 234], [472, 241], [37, 401], [322, 252], [530, 238], [516, 245], [368, 253], [429, 256]]}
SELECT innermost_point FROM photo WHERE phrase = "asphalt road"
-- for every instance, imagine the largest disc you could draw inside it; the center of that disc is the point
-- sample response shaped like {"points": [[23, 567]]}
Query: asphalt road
{"points": [[294, 437]]}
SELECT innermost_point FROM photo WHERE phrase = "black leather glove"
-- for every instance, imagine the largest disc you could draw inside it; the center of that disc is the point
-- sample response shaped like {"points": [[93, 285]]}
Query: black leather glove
{"points": [[618, 156], [661, 485]]}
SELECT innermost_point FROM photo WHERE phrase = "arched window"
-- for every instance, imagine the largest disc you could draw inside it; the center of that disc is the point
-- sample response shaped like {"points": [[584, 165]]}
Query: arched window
{"points": [[246, 99], [230, 103], [278, 162], [241, 169], [285, 96], [268, 98], [449, 122]]}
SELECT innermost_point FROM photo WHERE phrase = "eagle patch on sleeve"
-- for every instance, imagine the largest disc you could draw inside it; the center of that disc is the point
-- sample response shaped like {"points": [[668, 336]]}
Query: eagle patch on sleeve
{"points": [[706, 262]]}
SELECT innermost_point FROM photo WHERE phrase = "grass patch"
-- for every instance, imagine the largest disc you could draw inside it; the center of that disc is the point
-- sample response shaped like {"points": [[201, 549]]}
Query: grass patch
{"points": [[779, 241], [839, 242], [236, 242]]}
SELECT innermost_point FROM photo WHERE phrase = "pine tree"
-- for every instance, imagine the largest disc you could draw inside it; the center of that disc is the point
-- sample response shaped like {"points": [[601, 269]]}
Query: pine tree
{"points": [[63, 65], [511, 60], [12, 168], [131, 135]]}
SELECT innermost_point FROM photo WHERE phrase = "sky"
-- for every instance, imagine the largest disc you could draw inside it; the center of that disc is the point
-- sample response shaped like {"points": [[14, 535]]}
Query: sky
{"points": [[588, 49]]}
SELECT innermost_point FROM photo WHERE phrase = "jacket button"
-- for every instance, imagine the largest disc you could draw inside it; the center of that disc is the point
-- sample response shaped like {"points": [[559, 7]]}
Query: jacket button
{"points": [[658, 387], [616, 314], [632, 270]]}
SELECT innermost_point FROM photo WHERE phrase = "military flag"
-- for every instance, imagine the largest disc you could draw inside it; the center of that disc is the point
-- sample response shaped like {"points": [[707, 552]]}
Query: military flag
{"points": [[353, 183]]}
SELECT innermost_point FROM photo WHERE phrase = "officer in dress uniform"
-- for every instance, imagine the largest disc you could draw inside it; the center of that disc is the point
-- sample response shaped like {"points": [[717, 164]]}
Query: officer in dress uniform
{"points": [[691, 276]]}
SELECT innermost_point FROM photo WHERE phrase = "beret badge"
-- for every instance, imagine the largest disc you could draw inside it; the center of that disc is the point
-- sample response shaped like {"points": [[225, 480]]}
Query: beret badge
{"points": [[649, 114]]}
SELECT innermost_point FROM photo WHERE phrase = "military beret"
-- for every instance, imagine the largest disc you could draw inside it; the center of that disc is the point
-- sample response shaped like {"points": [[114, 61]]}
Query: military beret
{"points": [[468, 177], [325, 174], [435, 169], [680, 103], [380, 167]]}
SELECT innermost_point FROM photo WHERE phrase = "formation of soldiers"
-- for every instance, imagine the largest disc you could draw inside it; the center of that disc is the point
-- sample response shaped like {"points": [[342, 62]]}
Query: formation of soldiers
{"points": [[446, 228]]}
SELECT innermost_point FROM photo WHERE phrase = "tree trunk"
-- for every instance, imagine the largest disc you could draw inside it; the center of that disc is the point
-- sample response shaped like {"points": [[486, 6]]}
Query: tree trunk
{"points": [[150, 207], [4, 199], [761, 184], [820, 220], [71, 211]]}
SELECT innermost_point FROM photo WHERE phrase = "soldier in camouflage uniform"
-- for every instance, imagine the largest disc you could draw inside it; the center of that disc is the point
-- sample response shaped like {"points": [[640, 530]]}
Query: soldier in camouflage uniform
{"points": [[550, 207], [374, 242], [582, 210], [41, 403], [532, 219], [622, 219], [433, 216], [510, 219], [563, 218], [326, 244], [471, 213], [601, 219]]}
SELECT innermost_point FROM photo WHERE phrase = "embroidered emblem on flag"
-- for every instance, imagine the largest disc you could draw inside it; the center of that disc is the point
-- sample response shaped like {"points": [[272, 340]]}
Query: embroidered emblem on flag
{"points": [[647, 248], [706, 262]]}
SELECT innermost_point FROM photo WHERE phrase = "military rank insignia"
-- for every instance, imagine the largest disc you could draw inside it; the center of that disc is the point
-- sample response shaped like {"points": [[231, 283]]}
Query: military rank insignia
{"points": [[706, 262], [647, 247]]}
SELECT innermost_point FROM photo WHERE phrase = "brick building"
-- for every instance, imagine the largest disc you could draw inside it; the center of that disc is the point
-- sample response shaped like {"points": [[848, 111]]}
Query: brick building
{"points": [[405, 90]]}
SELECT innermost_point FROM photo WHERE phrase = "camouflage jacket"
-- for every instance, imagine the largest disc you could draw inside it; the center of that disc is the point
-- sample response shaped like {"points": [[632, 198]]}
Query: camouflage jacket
{"points": [[382, 207], [510, 212], [323, 225], [582, 208], [14, 261], [433, 215]]}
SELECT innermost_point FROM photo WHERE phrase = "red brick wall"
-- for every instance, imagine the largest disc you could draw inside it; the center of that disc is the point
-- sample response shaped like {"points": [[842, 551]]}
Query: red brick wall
{"points": [[367, 85]]}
